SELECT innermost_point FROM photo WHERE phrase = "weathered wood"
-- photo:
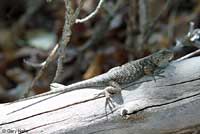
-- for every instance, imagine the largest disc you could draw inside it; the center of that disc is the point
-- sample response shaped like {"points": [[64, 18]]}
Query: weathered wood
{"points": [[169, 105]]}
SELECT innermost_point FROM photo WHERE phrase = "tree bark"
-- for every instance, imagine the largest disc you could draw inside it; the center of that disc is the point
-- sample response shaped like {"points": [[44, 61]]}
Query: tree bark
{"points": [[167, 105]]}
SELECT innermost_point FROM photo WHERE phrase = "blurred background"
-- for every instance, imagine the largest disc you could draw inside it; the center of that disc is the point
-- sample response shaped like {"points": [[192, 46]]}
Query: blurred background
{"points": [[121, 31]]}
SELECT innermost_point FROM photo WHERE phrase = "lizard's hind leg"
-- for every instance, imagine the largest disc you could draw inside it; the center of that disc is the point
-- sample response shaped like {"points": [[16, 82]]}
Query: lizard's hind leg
{"points": [[112, 89]]}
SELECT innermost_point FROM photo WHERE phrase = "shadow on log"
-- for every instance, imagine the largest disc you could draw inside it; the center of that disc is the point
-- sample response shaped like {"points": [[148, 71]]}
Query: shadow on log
{"points": [[169, 105]]}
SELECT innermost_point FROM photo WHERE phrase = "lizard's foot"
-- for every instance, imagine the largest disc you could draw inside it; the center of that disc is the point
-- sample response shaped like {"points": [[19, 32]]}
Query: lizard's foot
{"points": [[158, 73], [109, 91], [151, 72], [160, 70]]}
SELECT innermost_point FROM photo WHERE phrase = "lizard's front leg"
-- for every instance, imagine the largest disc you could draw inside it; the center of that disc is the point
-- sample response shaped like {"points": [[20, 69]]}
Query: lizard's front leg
{"points": [[113, 88], [153, 71]]}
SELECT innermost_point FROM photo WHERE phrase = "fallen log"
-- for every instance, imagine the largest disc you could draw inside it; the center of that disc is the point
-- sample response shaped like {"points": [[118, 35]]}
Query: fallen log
{"points": [[171, 104]]}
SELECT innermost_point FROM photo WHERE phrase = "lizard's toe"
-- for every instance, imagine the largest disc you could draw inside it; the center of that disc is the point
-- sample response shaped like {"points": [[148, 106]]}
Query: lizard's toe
{"points": [[110, 104], [108, 96]]}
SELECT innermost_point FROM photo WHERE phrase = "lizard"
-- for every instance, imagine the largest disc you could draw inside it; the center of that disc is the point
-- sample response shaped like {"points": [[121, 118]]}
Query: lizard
{"points": [[115, 77]]}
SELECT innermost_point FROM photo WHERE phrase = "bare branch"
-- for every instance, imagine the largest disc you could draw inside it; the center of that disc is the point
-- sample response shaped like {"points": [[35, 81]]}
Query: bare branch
{"points": [[151, 27], [102, 27], [49, 59], [70, 20], [144, 16], [189, 55], [66, 35], [34, 64], [77, 12], [191, 29], [91, 14]]}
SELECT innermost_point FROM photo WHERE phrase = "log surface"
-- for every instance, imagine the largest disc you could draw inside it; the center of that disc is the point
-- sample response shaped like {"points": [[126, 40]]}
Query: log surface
{"points": [[169, 105]]}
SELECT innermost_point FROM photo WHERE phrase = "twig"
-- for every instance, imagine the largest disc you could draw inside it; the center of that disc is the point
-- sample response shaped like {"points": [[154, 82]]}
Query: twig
{"points": [[77, 12], [102, 27], [91, 14], [192, 38], [30, 10], [144, 16], [188, 55], [132, 27], [191, 29], [151, 27], [70, 19], [172, 24], [66, 35], [49, 59], [34, 64]]}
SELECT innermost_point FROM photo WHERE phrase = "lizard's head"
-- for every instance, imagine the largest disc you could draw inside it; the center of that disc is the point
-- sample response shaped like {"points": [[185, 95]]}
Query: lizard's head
{"points": [[162, 57]]}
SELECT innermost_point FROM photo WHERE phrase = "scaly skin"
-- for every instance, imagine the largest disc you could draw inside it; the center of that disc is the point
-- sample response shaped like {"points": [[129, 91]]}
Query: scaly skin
{"points": [[124, 74]]}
